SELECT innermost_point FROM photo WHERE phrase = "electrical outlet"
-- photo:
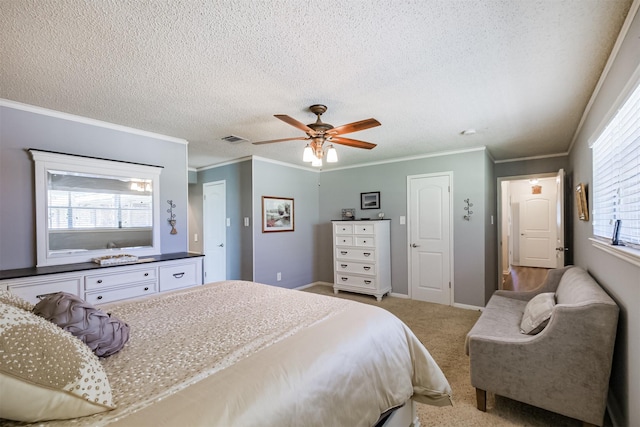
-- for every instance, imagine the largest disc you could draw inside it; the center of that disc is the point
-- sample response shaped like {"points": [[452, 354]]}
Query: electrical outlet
{"points": [[246, 221], [195, 237], [278, 276]]}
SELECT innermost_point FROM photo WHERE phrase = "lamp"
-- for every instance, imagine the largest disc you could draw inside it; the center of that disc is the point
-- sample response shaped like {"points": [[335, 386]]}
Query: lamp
{"points": [[314, 152], [307, 154], [332, 155]]}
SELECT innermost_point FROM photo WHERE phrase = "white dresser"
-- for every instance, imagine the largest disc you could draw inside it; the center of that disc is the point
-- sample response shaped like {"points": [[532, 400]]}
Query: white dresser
{"points": [[362, 257], [101, 285]]}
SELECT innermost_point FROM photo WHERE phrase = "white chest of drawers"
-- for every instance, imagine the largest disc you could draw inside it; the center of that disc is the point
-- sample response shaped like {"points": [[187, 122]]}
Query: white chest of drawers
{"points": [[362, 257], [107, 284]]}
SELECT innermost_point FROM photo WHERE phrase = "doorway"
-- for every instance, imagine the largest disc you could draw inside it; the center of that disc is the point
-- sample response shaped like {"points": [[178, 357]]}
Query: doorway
{"points": [[531, 218], [214, 212], [429, 235]]}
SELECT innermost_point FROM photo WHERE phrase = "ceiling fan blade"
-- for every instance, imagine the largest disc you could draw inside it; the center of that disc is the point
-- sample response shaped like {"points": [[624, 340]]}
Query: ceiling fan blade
{"points": [[351, 142], [354, 127], [299, 138], [293, 122]]}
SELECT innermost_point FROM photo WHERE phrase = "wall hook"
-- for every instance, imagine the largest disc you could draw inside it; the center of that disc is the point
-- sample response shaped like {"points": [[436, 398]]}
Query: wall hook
{"points": [[172, 217], [467, 208]]}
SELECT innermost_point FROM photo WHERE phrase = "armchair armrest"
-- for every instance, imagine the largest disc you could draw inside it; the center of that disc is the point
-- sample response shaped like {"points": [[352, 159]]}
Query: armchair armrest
{"points": [[549, 285]]}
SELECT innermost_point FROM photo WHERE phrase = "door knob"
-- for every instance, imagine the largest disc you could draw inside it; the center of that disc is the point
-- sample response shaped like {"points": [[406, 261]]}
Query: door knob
{"points": [[221, 245], [415, 246]]}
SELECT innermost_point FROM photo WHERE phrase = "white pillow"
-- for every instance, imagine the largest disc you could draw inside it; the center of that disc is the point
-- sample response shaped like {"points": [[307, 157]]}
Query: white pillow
{"points": [[45, 372], [537, 313], [10, 298]]}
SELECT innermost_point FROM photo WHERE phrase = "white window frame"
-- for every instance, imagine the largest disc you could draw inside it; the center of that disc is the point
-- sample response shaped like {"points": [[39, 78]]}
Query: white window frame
{"points": [[45, 161], [631, 251]]}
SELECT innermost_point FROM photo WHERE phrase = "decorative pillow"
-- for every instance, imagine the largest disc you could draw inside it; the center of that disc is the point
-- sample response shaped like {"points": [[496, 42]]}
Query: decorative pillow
{"points": [[46, 373], [12, 299], [537, 313], [105, 335]]}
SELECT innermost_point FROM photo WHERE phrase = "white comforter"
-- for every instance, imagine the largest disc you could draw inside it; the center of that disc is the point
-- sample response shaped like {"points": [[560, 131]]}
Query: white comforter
{"points": [[244, 354]]}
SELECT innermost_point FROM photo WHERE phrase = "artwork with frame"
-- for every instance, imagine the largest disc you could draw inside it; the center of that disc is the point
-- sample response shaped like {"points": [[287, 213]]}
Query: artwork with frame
{"points": [[370, 200], [581, 202], [277, 214]]}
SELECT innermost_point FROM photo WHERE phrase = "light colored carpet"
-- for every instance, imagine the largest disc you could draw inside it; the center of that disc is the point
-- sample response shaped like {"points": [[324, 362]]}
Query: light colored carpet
{"points": [[442, 329]]}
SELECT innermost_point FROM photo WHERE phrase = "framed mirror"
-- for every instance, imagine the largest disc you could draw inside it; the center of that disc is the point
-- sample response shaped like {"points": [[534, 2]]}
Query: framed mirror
{"points": [[88, 208]]}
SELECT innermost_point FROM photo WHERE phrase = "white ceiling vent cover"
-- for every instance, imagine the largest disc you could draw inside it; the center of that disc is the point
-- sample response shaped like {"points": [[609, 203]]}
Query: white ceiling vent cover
{"points": [[233, 139]]}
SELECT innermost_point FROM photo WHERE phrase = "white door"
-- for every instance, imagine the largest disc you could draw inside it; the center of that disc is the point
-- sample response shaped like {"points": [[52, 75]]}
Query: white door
{"points": [[538, 230], [214, 212], [429, 235], [560, 248]]}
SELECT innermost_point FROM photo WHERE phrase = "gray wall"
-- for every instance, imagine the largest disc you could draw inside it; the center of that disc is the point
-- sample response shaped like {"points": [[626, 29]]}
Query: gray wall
{"points": [[620, 278], [294, 254], [472, 173], [237, 177], [20, 130]]}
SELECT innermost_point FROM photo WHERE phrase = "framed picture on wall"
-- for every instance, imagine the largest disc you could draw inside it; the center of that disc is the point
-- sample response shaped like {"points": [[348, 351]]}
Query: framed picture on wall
{"points": [[581, 202], [370, 200], [277, 214]]}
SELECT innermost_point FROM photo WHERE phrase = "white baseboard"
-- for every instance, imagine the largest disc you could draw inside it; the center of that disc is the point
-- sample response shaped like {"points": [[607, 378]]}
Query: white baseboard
{"points": [[396, 295], [299, 288], [468, 307]]}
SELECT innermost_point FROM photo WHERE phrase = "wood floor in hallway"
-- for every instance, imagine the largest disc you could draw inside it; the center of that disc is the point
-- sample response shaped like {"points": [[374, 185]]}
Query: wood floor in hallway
{"points": [[524, 278]]}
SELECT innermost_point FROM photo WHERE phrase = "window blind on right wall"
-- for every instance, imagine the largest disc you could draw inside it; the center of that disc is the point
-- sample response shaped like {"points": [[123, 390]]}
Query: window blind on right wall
{"points": [[616, 174]]}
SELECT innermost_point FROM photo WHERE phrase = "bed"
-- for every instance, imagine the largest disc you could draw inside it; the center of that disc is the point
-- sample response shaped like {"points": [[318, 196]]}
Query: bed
{"points": [[239, 353]]}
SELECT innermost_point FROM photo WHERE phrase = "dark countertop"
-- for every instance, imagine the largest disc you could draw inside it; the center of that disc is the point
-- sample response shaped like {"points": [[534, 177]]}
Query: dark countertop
{"points": [[362, 219], [83, 266]]}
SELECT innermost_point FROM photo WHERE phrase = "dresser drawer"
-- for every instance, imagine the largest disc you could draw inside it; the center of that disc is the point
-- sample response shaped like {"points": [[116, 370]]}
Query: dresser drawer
{"points": [[344, 240], [105, 280], [356, 267], [365, 241], [364, 229], [343, 228], [177, 276], [32, 292], [115, 294], [361, 282], [355, 254]]}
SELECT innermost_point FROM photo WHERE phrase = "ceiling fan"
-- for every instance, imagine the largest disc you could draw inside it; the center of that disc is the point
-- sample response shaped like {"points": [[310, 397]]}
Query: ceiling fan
{"points": [[318, 133]]}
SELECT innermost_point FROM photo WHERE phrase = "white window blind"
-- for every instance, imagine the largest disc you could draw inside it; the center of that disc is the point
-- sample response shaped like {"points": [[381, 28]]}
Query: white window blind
{"points": [[616, 174]]}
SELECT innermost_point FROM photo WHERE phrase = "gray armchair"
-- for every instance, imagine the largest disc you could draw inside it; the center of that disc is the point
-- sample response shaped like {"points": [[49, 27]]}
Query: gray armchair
{"points": [[566, 367]]}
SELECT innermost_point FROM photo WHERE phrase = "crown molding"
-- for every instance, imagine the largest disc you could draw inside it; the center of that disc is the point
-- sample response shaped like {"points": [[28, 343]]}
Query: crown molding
{"points": [[85, 120]]}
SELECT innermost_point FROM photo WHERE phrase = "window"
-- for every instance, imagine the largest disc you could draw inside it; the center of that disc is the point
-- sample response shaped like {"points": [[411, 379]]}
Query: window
{"points": [[616, 174]]}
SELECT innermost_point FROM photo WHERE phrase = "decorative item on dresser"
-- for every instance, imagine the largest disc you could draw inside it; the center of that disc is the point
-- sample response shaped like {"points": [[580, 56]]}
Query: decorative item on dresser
{"points": [[361, 257]]}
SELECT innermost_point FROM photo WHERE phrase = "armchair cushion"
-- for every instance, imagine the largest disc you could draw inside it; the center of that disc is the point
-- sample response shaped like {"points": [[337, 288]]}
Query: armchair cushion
{"points": [[537, 313]]}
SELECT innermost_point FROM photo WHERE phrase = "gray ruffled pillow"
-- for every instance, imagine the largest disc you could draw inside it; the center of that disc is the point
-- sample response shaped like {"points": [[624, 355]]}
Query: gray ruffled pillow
{"points": [[104, 334]]}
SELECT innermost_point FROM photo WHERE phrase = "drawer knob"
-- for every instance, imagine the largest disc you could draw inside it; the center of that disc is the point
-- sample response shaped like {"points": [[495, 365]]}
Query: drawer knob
{"points": [[343, 265], [366, 268], [367, 282], [364, 241], [343, 252], [146, 274], [367, 253], [146, 288], [178, 275], [99, 297], [99, 280], [344, 279]]}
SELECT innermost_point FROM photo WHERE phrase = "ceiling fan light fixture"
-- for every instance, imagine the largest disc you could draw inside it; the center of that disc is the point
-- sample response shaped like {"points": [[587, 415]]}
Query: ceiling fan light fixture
{"points": [[317, 161], [332, 155], [307, 154]]}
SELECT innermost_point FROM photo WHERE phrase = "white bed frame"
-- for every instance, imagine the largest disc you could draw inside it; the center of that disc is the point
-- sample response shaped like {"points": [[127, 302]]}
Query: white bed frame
{"points": [[404, 417]]}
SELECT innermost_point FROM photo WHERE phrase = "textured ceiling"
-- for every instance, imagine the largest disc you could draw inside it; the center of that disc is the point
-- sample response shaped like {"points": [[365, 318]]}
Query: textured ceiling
{"points": [[519, 72]]}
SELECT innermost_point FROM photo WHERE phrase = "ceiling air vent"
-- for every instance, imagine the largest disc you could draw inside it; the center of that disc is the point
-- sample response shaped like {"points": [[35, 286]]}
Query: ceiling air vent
{"points": [[233, 139]]}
